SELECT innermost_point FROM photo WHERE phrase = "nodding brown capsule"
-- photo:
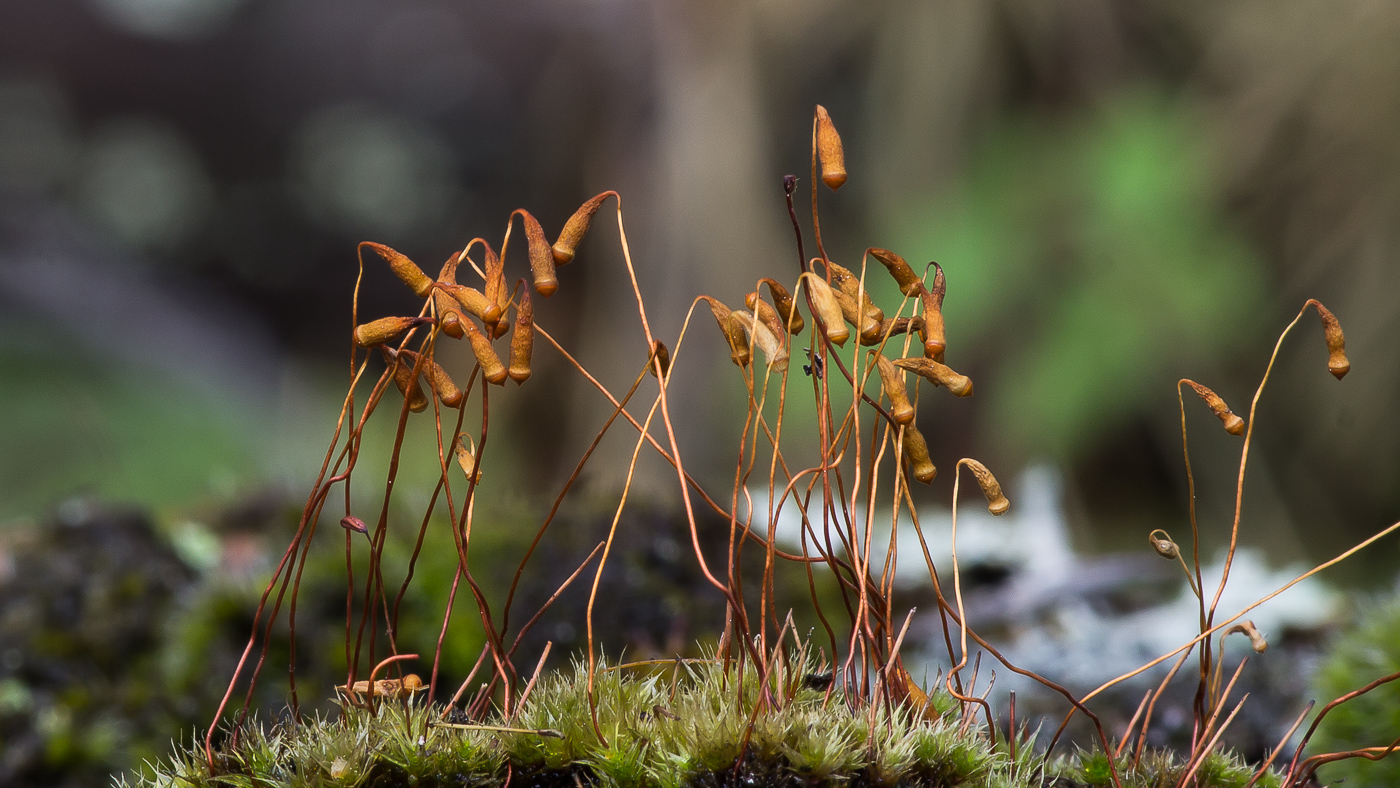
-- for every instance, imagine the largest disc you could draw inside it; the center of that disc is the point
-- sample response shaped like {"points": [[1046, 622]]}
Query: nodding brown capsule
{"points": [[766, 313], [438, 379], [405, 380], [828, 308], [577, 227], [1163, 545], [904, 276], [935, 342], [448, 274], [491, 367], [522, 342], [787, 310], [465, 450], [377, 332], [1337, 362], [937, 374], [387, 688], [916, 451], [996, 500], [541, 257], [449, 313], [405, 269], [495, 287], [471, 299], [848, 284], [1233, 423], [763, 338], [354, 524], [893, 326], [660, 354], [1247, 628], [829, 151], [900, 408], [733, 332]]}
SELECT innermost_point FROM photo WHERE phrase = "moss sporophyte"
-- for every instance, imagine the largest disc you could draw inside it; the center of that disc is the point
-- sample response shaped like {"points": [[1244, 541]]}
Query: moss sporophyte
{"points": [[766, 703]]}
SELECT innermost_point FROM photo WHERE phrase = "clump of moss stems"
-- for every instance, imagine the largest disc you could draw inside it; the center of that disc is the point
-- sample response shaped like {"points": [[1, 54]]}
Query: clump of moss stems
{"points": [[671, 724], [742, 708]]}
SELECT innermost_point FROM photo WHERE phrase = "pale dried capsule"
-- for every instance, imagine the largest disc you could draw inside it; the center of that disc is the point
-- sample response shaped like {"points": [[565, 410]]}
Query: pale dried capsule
{"points": [[828, 308], [465, 450], [567, 245], [903, 275], [937, 374], [391, 688], [491, 367], [935, 342], [541, 256], [732, 330], [438, 379], [1247, 628], [763, 338], [847, 282], [865, 322], [659, 354], [1337, 362], [522, 342], [783, 302], [449, 313], [766, 313], [405, 269], [406, 380], [996, 500], [916, 451], [377, 332], [829, 151], [901, 410], [1163, 545], [1233, 423]]}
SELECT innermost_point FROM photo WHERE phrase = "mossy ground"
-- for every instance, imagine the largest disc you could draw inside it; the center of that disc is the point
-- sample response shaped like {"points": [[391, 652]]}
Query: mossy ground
{"points": [[692, 728]]}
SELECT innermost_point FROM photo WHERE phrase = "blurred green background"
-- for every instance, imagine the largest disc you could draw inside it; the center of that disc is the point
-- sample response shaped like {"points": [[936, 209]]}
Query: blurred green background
{"points": [[1122, 194]]}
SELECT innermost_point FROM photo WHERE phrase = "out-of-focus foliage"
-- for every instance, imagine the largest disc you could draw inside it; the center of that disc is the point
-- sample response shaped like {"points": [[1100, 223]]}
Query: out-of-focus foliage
{"points": [[1358, 657], [1101, 234]]}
